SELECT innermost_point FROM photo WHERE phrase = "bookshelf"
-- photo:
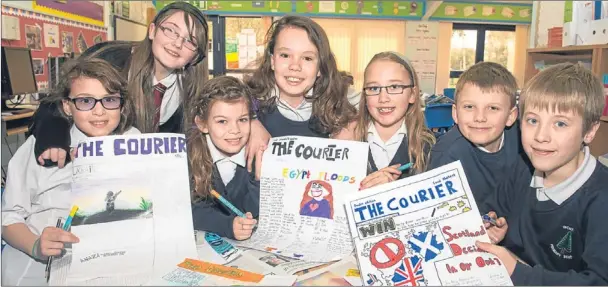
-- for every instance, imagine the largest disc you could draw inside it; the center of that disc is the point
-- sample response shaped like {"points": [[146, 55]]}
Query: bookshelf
{"points": [[595, 55]]}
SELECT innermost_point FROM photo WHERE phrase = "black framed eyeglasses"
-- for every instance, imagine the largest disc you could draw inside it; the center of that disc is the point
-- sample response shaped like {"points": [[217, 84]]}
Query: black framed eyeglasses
{"points": [[391, 89], [111, 102], [171, 34]]}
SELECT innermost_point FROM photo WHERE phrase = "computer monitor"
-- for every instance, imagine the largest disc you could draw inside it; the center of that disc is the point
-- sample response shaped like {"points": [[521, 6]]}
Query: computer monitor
{"points": [[17, 73]]}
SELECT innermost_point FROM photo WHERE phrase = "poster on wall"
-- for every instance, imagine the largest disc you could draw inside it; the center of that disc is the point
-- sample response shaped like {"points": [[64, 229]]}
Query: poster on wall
{"points": [[33, 37], [51, 35], [38, 65], [90, 12], [97, 39], [421, 50], [82, 43], [125, 9], [67, 42]]}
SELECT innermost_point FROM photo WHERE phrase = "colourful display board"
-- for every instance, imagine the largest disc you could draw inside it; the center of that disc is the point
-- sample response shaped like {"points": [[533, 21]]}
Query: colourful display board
{"points": [[515, 13], [483, 12], [348, 9]]}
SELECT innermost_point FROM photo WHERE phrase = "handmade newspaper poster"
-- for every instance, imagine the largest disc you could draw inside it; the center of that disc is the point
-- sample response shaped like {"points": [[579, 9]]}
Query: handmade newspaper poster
{"points": [[422, 231], [303, 185], [134, 217]]}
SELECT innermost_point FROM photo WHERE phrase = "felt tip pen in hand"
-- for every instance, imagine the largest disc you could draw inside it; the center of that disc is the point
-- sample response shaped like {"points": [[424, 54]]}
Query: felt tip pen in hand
{"points": [[228, 204], [47, 270], [487, 218], [405, 167], [68, 222]]}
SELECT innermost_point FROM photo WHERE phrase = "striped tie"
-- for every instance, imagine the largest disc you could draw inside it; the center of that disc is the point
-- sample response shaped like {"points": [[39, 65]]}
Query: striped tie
{"points": [[159, 91]]}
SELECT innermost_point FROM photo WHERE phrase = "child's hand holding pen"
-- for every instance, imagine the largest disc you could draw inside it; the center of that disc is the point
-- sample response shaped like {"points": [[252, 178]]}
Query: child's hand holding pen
{"points": [[243, 226], [496, 227], [51, 242], [385, 175]]}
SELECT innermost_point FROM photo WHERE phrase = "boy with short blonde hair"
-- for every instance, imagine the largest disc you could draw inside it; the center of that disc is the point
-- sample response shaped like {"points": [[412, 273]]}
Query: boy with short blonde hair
{"points": [[484, 109], [556, 218]]}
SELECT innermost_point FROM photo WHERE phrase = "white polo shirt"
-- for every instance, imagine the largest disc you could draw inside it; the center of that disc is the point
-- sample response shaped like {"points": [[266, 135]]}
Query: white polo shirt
{"points": [[226, 165], [303, 111], [384, 152]]}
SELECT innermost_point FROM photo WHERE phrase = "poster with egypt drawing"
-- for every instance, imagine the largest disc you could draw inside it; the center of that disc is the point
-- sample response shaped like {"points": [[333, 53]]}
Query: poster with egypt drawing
{"points": [[303, 185], [422, 231]]}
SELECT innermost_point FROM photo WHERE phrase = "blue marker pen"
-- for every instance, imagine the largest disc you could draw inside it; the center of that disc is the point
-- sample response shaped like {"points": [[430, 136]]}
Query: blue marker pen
{"points": [[405, 167], [487, 218]]}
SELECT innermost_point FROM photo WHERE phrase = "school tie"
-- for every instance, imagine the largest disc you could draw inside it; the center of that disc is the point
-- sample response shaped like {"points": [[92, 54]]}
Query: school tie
{"points": [[159, 91]]}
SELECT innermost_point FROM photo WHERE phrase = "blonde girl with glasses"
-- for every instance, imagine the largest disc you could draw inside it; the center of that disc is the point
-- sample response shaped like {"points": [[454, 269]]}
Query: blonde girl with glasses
{"points": [[92, 98], [391, 120], [163, 71]]}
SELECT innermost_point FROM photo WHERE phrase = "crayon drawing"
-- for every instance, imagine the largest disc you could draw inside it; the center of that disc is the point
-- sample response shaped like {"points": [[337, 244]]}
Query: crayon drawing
{"points": [[317, 200], [103, 205]]}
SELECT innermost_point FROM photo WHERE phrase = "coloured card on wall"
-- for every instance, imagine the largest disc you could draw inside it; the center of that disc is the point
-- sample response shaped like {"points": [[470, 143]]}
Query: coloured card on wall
{"points": [[38, 66], [349, 8], [303, 185], [51, 35], [422, 230], [90, 12], [81, 43], [33, 37], [67, 42], [489, 12]]}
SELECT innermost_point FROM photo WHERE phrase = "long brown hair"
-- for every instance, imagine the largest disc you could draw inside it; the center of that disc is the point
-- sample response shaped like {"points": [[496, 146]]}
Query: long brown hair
{"points": [[99, 70], [331, 110], [140, 68], [419, 137], [225, 89]]}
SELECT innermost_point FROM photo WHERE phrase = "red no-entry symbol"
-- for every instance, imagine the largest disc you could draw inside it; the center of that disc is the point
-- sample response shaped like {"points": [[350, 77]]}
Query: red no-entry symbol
{"points": [[383, 245]]}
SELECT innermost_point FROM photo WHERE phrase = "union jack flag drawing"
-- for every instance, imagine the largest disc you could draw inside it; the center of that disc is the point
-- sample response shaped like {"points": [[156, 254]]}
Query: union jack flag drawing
{"points": [[409, 273]]}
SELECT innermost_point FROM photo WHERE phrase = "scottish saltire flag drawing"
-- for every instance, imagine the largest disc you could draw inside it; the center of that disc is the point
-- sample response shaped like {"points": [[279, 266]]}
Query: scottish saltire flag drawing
{"points": [[429, 222], [426, 244], [409, 273]]}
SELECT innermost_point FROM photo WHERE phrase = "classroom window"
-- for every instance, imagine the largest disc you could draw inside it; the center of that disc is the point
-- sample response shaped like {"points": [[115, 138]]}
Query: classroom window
{"points": [[474, 43], [355, 42]]}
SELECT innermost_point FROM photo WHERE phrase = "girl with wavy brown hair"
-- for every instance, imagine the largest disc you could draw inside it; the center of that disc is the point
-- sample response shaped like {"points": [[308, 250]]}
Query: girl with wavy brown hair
{"points": [[298, 84], [216, 142]]}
